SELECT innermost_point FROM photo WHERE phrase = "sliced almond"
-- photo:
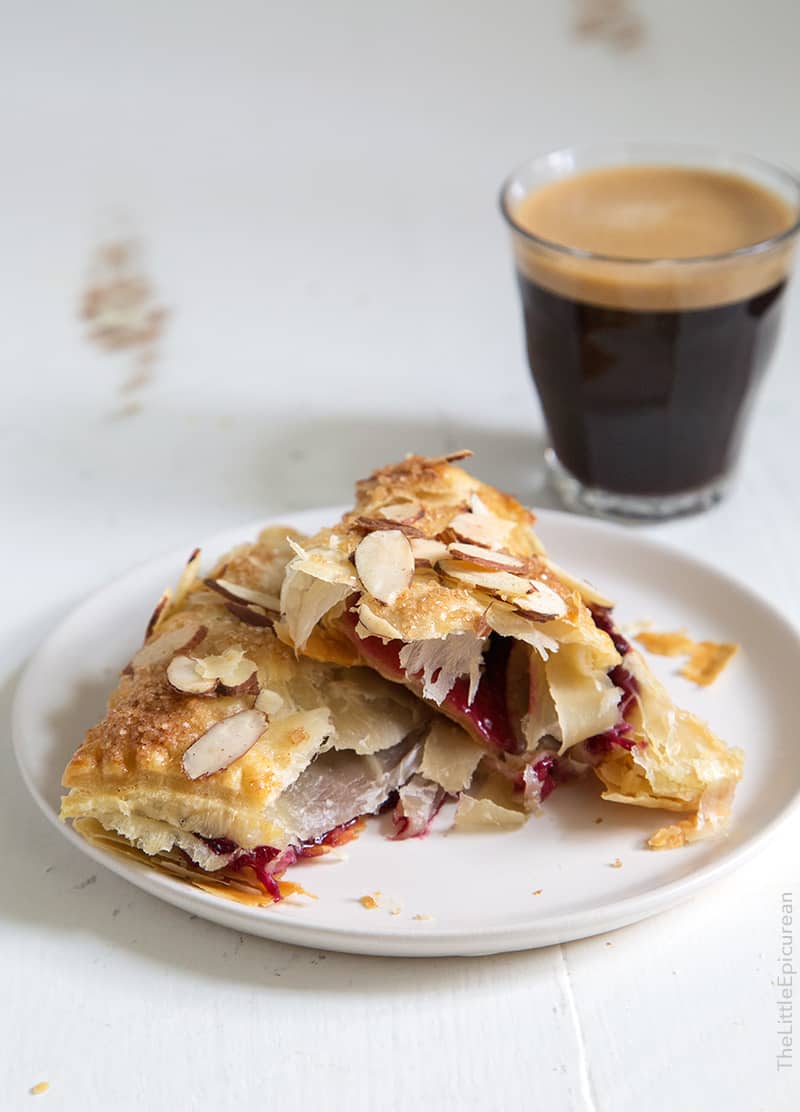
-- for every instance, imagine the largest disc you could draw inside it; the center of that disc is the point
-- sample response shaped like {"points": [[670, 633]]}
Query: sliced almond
{"points": [[587, 592], [182, 674], [295, 546], [373, 625], [403, 512], [270, 702], [181, 640], [188, 577], [508, 622], [251, 615], [374, 524], [541, 603], [236, 674], [159, 614], [427, 552], [498, 582], [223, 744], [385, 563], [481, 528], [327, 565], [487, 558], [451, 457], [238, 593]]}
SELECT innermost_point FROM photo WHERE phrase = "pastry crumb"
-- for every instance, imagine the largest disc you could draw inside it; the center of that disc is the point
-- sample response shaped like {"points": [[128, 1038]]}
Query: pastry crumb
{"points": [[538, 891], [423, 917], [375, 900], [42, 1087], [609, 943], [633, 629], [668, 837], [678, 643], [616, 863], [705, 659]]}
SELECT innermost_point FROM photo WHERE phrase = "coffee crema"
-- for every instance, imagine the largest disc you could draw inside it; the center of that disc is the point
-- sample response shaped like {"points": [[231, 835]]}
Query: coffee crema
{"points": [[658, 232], [646, 357]]}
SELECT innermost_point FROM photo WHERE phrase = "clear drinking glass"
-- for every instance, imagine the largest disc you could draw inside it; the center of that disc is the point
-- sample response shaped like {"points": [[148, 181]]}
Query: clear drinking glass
{"points": [[646, 367]]}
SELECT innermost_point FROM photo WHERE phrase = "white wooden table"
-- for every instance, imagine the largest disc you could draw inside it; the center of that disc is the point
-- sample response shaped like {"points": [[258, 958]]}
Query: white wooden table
{"points": [[314, 186]]}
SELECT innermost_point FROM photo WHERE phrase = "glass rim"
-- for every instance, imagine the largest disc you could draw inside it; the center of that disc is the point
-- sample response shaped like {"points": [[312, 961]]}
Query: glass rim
{"points": [[760, 247]]}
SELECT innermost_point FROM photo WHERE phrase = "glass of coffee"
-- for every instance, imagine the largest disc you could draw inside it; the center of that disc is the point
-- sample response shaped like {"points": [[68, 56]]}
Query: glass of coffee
{"points": [[652, 281]]}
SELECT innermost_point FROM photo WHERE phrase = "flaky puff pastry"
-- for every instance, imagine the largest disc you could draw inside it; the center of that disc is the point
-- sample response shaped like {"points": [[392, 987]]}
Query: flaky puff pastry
{"points": [[439, 582], [151, 775]]}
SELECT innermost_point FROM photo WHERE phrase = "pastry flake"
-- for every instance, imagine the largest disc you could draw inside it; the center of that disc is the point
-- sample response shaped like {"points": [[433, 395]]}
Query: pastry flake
{"points": [[706, 659]]}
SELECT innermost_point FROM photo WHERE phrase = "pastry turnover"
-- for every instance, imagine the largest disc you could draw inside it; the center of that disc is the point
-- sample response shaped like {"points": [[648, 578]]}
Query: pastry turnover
{"points": [[440, 584], [423, 647], [224, 758]]}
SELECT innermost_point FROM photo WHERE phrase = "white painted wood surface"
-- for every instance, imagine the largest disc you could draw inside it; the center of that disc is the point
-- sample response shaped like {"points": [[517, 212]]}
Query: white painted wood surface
{"points": [[314, 185]]}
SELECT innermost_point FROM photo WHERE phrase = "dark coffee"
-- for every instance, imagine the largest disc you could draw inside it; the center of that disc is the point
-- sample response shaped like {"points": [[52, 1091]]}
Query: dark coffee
{"points": [[647, 402], [645, 369]]}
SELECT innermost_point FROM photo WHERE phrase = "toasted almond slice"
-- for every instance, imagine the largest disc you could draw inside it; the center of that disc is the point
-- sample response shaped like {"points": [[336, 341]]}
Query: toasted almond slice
{"points": [[508, 622], [295, 546], [237, 593], [373, 625], [374, 524], [224, 743], [452, 457], [327, 565], [482, 528], [182, 674], [385, 563], [498, 582], [251, 615], [586, 591], [487, 558], [403, 512], [188, 577], [159, 614], [181, 640], [236, 674], [270, 702], [427, 552], [542, 603]]}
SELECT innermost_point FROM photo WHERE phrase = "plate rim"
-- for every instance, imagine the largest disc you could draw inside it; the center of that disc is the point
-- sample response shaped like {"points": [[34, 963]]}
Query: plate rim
{"points": [[399, 940]]}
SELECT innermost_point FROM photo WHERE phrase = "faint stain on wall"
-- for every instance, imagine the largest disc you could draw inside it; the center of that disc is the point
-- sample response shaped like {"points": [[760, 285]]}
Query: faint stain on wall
{"points": [[122, 312], [616, 23]]}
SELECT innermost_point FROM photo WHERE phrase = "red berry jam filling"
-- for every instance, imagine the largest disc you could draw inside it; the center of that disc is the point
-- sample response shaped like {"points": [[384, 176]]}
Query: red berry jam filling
{"points": [[621, 678], [269, 864], [487, 715]]}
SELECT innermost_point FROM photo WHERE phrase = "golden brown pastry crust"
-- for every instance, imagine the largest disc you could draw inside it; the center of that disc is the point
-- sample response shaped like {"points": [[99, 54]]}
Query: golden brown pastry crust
{"points": [[434, 604], [128, 772]]}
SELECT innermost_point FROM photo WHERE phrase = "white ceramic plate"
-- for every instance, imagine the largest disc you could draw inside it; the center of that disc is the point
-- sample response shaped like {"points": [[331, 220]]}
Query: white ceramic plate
{"points": [[471, 893]]}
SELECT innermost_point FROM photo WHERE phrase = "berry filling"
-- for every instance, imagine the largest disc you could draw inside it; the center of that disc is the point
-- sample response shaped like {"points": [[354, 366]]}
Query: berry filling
{"points": [[621, 678], [487, 716], [269, 864]]}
